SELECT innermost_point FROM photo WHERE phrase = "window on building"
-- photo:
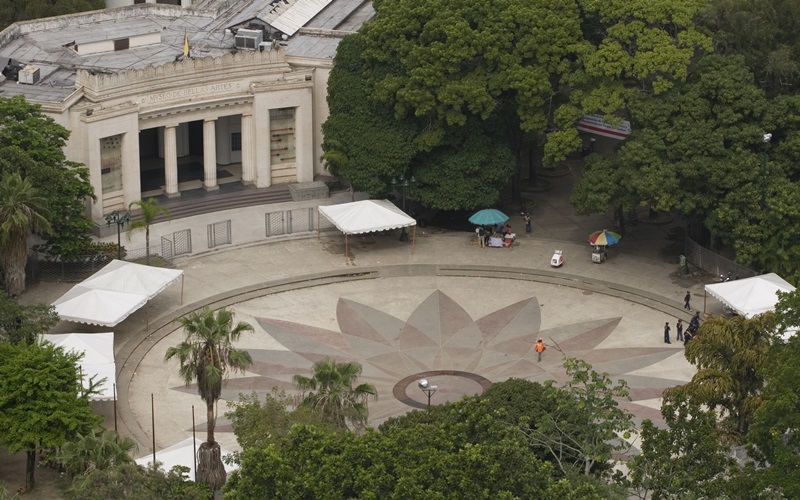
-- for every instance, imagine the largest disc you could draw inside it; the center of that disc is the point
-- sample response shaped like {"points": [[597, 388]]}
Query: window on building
{"points": [[111, 163], [236, 141], [282, 135]]}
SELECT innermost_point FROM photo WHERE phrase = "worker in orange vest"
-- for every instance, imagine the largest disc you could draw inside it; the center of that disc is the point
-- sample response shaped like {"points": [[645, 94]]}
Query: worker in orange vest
{"points": [[539, 348]]}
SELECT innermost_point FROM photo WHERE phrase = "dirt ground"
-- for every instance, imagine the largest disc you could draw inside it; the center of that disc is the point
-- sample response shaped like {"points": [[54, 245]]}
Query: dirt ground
{"points": [[48, 482]]}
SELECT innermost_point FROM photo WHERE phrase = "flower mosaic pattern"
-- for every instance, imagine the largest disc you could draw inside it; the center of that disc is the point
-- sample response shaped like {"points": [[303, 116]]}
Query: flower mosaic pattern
{"points": [[440, 335]]}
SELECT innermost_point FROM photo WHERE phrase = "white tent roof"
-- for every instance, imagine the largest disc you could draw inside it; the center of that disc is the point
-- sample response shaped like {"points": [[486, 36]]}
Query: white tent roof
{"points": [[113, 293], [366, 216], [121, 276], [750, 296], [98, 358], [97, 307], [180, 454]]}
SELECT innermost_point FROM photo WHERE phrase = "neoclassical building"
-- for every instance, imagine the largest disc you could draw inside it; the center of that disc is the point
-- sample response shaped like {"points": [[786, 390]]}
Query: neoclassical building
{"points": [[163, 99]]}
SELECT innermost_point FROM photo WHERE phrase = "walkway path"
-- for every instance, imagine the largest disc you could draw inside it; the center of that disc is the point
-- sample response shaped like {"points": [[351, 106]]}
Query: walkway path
{"points": [[455, 313]]}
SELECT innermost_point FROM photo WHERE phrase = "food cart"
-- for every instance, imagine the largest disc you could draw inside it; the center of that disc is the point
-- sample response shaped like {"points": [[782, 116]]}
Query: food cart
{"points": [[557, 259]]}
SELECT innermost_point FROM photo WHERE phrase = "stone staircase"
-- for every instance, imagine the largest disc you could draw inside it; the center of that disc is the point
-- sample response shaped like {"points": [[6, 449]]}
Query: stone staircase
{"points": [[215, 201]]}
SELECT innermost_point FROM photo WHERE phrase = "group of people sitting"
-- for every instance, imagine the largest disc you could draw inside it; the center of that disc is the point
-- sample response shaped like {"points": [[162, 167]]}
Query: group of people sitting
{"points": [[498, 235]]}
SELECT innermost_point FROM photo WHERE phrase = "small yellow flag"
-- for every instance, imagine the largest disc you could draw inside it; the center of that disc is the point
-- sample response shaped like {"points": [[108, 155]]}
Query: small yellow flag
{"points": [[186, 52]]}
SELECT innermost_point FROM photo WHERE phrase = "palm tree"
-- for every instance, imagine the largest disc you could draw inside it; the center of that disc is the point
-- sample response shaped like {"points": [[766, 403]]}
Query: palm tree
{"points": [[150, 209], [731, 357], [22, 212], [206, 356], [96, 450], [330, 391]]}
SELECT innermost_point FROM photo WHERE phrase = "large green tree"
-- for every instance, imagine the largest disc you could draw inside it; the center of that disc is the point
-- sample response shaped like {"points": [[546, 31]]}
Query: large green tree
{"points": [[129, 481], [775, 432], [731, 359], [331, 390], [686, 459], [258, 424], [207, 356], [418, 460], [20, 10], [512, 72], [31, 144], [691, 148], [42, 402], [584, 440], [23, 212], [24, 323], [765, 33]]}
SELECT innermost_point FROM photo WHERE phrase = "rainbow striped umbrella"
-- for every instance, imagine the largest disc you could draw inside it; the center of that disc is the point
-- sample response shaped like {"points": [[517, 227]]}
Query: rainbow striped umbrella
{"points": [[604, 238]]}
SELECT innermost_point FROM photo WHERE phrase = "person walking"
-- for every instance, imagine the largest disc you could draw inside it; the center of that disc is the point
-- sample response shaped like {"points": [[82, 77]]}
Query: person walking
{"points": [[479, 234], [679, 329], [539, 348], [528, 223], [686, 299], [666, 333]]}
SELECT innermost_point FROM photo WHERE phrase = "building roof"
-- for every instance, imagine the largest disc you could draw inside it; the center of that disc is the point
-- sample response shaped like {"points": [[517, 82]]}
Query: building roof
{"points": [[159, 30]]}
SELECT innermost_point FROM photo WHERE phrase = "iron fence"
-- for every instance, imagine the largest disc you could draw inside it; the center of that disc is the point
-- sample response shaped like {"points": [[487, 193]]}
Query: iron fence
{"points": [[219, 233], [274, 224], [42, 267], [713, 263], [179, 243]]}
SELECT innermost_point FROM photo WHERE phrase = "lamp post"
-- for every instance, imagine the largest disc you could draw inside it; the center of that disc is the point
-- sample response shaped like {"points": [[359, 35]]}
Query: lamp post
{"points": [[765, 170], [428, 389], [403, 183], [119, 219]]}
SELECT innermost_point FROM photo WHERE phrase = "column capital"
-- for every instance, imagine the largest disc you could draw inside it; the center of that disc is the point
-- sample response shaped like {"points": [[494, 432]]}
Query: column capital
{"points": [[210, 119]]}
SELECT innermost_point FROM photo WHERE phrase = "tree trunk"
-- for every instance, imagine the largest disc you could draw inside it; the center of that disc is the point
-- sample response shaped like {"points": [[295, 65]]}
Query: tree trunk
{"points": [[210, 423], [147, 244], [210, 469], [619, 219], [30, 468], [14, 260]]}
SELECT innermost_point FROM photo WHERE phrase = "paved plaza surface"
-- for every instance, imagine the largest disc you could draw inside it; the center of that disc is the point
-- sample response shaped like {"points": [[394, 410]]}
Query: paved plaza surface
{"points": [[460, 315]]}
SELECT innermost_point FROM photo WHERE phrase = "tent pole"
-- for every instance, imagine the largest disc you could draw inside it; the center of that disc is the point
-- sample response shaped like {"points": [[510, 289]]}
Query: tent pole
{"points": [[153, 421], [413, 238], [182, 276], [147, 309], [115, 409], [194, 445], [705, 295], [345, 249], [317, 223]]}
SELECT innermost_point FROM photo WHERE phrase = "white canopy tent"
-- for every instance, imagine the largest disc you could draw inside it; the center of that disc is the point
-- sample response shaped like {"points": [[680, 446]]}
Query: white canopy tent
{"points": [[181, 454], [367, 216], [750, 296], [113, 293], [98, 358]]}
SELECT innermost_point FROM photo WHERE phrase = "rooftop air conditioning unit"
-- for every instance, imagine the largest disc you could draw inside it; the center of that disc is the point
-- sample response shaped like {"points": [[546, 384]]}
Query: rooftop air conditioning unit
{"points": [[248, 39], [29, 75]]}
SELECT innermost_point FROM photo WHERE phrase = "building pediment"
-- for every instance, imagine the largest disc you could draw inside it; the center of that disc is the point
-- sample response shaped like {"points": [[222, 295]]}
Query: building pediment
{"points": [[167, 82]]}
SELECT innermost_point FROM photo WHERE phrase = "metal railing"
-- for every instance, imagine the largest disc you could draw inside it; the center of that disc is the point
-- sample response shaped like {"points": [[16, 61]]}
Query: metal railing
{"points": [[713, 263]]}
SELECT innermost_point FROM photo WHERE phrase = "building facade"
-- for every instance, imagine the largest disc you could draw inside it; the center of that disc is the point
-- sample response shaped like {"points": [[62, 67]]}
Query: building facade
{"points": [[161, 99]]}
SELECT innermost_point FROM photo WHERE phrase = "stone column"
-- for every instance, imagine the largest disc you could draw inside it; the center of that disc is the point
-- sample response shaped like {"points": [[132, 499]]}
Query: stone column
{"points": [[248, 153], [210, 155], [171, 161]]}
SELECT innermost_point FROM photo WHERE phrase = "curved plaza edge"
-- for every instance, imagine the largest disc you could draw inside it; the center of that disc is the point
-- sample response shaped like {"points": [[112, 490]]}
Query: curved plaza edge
{"points": [[139, 344]]}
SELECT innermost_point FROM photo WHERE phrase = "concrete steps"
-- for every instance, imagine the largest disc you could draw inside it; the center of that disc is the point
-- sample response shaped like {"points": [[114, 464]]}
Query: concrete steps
{"points": [[218, 201]]}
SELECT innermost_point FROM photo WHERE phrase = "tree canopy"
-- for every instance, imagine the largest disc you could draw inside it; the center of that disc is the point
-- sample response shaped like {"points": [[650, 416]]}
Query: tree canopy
{"points": [[42, 402], [461, 92], [31, 145], [24, 323]]}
